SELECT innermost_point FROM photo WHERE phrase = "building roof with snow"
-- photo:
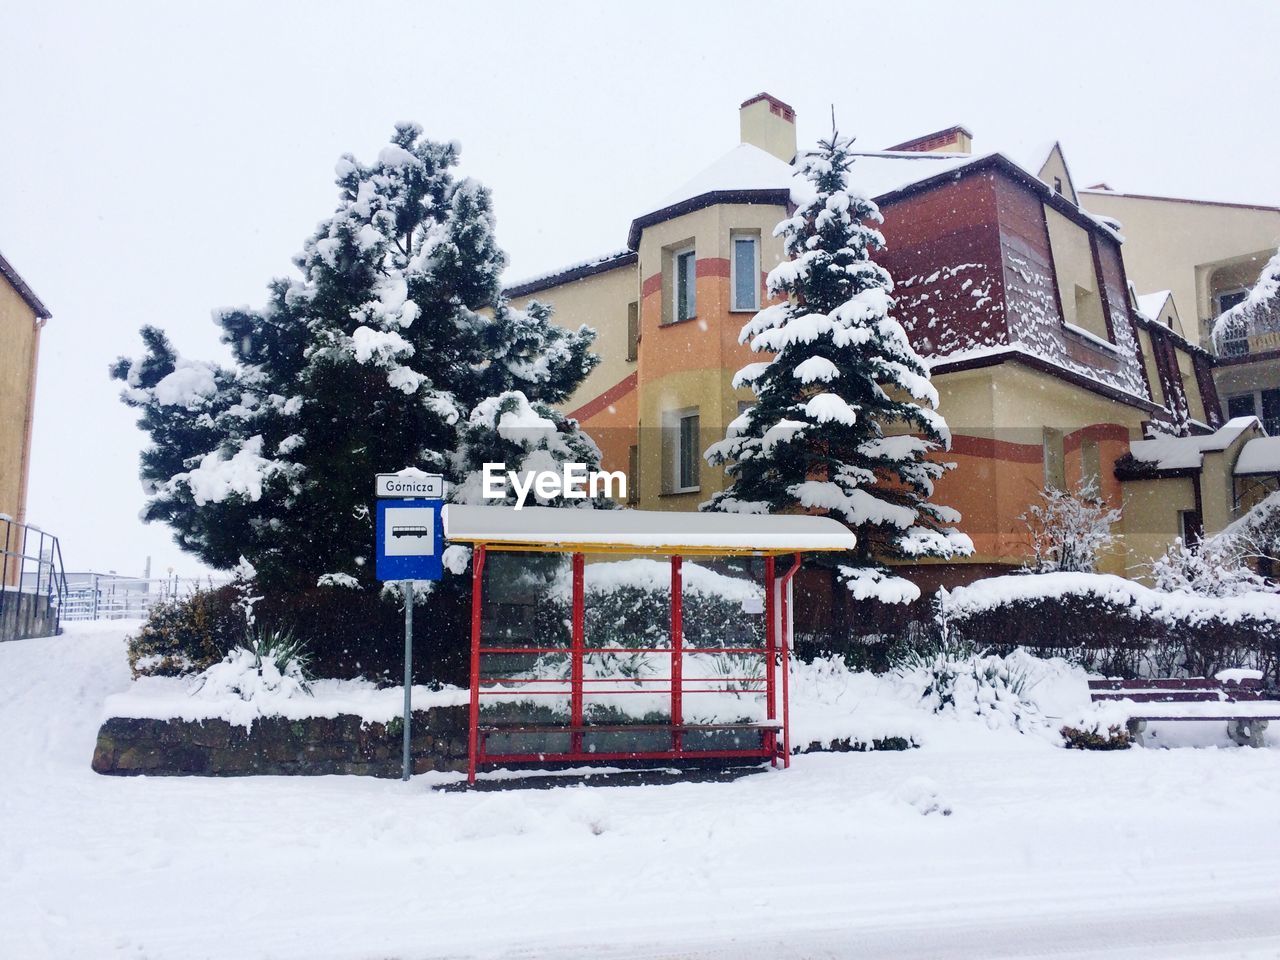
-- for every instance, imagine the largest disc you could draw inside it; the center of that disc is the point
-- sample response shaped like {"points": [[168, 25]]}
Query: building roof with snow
{"points": [[1151, 304], [746, 174], [1259, 457], [1187, 453], [571, 272], [23, 290]]}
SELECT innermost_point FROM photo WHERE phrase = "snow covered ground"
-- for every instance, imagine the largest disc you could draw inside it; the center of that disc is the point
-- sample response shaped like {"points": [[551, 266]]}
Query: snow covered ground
{"points": [[1046, 852]]}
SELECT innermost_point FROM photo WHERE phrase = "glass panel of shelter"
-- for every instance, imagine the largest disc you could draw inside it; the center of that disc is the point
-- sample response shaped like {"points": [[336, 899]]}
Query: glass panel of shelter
{"points": [[525, 643], [627, 655], [725, 659]]}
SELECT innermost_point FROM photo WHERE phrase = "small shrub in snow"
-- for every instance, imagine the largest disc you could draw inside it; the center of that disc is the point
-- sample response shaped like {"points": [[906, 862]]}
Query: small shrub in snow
{"points": [[969, 684], [280, 647], [1091, 738], [341, 580], [273, 663], [1208, 568], [187, 635], [1069, 530], [922, 793]]}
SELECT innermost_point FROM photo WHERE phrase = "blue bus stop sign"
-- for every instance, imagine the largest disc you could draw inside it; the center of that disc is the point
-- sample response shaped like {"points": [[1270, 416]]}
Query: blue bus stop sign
{"points": [[410, 538]]}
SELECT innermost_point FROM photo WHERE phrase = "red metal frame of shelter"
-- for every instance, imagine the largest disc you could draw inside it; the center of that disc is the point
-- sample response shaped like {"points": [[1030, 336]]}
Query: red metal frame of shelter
{"points": [[774, 733]]}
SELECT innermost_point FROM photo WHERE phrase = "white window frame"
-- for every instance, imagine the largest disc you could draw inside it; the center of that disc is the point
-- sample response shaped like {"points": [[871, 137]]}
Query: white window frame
{"points": [[674, 423], [676, 257], [753, 238], [1190, 526]]}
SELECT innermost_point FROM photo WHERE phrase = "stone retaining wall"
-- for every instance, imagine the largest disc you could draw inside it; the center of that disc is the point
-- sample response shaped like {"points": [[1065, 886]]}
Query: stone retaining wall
{"points": [[129, 746], [345, 744]]}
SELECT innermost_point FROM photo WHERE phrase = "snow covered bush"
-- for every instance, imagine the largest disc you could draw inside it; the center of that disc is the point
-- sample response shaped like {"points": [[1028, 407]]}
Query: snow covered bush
{"points": [[957, 680], [1255, 536], [1069, 529], [630, 600], [1115, 626], [186, 635], [272, 665], [1092, 738], [845, 418], [1211, 567]]}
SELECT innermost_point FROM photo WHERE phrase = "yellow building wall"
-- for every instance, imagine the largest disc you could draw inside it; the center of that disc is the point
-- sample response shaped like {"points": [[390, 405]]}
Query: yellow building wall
{"points": [[600, 301], [1077, 277], [19, 350], [1149, 363], [1169, 242], [1152, 519], [1055, 166], [19, 336], [998, 416]]}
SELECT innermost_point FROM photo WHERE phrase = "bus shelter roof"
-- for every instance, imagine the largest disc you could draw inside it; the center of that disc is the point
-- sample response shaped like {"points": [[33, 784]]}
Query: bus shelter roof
{"points": [[555, 530]]}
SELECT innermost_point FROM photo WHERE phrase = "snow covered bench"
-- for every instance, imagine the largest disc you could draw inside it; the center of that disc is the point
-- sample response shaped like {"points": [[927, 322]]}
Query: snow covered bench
{"points": [[574, 734], [1245, 705]]}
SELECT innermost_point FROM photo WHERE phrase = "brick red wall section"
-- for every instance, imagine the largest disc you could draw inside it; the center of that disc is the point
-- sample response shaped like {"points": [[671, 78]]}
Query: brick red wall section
{"points": [[943, 252]]}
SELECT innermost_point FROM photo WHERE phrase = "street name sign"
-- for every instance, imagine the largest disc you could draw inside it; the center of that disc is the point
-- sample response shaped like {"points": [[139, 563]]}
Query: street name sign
{"points": [[427, 486]]}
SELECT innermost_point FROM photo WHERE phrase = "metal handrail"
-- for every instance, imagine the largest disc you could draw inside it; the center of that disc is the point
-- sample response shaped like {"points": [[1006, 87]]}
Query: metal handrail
{"points": [[50, 576]]}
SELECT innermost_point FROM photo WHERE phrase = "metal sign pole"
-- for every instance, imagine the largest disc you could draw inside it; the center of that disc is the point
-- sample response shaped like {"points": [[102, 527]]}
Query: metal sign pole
{"points": [[408, 533], [407, 585]]}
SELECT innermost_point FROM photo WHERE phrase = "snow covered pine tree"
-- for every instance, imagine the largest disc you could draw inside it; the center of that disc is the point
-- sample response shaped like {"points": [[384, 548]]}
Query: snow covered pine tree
{"points": [[380, 356], [842, 374]]}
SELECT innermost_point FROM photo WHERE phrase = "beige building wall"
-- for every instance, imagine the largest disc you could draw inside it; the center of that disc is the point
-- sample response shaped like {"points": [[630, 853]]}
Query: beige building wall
{"points": [[1194, 249], [1149, 364], [600, 301], [1218, 484], [1054, 172], [1077, 276], [19, 343], [1153, 519]]}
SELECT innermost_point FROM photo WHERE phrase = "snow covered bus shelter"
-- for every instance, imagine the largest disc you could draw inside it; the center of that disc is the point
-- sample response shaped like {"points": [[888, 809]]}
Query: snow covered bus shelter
{"points": [[594, 641]]}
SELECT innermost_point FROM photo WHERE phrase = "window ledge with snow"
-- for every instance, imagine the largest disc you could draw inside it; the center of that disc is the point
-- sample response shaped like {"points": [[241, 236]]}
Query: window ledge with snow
{"points": [[1093, 338]]}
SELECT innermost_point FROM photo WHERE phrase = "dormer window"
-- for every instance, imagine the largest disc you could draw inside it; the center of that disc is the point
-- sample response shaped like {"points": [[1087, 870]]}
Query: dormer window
{"points": [[1057, 185], [686, 283]]}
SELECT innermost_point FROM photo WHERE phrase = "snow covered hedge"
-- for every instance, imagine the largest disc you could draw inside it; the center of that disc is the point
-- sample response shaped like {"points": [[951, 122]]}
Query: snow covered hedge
{"points": [[628, 603], [1114, 625]]}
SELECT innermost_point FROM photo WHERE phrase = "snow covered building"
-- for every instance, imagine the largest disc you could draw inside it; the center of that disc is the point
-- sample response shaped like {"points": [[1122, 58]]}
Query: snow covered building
{"points": [[1202, 257], [1047, 372], [22, 315]]}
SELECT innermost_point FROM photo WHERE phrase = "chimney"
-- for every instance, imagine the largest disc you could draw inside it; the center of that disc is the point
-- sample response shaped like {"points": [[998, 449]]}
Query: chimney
{"points": [[768, 123], [955, 139]]}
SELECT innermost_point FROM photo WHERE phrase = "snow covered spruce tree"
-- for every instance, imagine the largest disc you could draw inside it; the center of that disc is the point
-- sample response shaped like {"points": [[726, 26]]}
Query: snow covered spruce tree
{"points": [[844, 419], [390, 348]]}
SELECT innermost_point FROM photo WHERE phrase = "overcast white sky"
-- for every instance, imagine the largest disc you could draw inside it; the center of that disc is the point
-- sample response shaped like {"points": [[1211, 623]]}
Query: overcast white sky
{"points": [[160, 161]]}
